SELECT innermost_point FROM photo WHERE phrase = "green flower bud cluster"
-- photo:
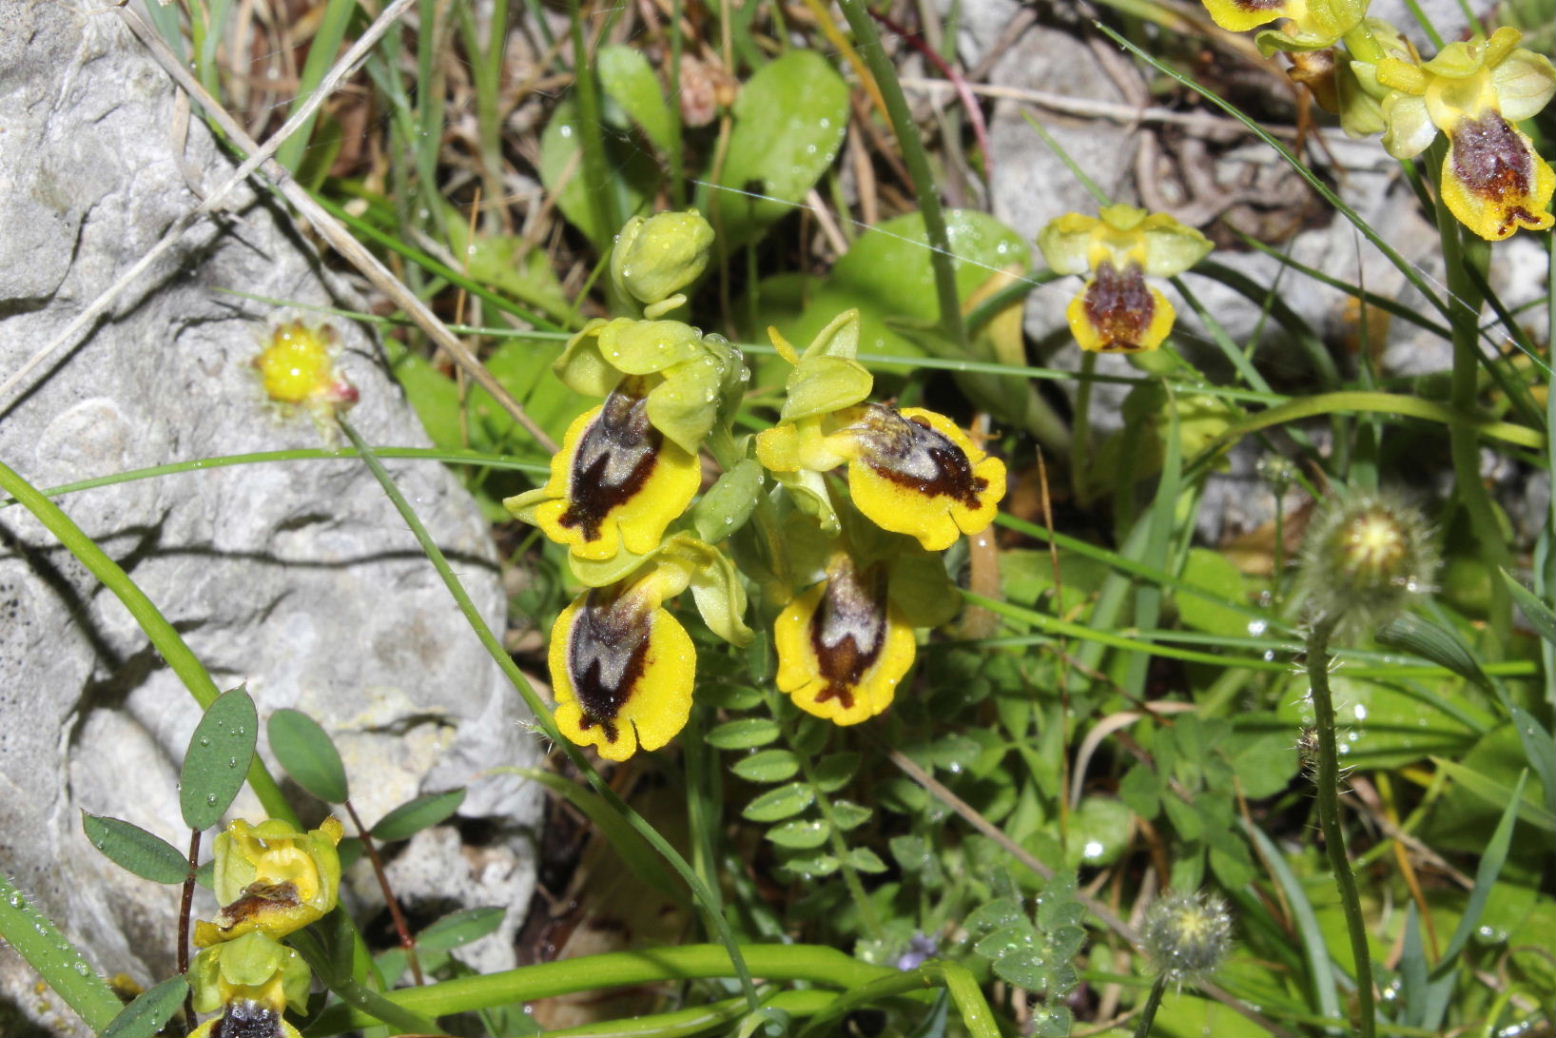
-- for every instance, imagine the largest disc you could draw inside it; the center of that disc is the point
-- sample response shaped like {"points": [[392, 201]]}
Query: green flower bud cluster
{"points": [[1492, 179]]}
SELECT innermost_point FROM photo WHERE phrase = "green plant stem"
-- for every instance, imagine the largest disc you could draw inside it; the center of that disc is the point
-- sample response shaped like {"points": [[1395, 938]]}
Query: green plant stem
{"points": [[778, 963], [1152, 1004], [452, 457], [1465, 298], [1465, 419], [917, 160], [716, 1016], [956, 979], [596, 174], [706, 895], [164, 636], [1328, 790]]}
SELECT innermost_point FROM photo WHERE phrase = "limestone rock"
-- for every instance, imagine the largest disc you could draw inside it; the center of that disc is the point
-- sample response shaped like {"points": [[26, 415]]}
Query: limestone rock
{"points": [[297, 578]]}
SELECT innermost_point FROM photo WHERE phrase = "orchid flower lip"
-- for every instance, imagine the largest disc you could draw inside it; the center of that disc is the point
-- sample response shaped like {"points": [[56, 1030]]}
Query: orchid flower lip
{"points": [[615, 458]]}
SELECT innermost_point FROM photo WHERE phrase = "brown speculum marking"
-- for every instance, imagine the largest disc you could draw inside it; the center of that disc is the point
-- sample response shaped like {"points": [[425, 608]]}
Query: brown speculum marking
{"points": [[1120, 306], [1259, 5], [246, 1018], [256, 899], [1492, 161], [912, 453], [848, 629], [615, 457], [607, 651]]}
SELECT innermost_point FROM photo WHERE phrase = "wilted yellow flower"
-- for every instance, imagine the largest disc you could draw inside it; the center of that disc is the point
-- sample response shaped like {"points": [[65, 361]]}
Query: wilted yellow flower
{"points": [[618, 482], [1493, 181], [272, 878], [298, 367], [1116, 311]]}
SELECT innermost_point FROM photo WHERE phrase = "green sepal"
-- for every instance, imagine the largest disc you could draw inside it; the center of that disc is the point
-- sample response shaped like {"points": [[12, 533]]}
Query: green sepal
{"points": [[827, 378], [728, 504]]}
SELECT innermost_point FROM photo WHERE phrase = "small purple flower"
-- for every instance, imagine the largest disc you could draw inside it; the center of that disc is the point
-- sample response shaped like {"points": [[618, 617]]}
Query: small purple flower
{"points": [[920, 950]]}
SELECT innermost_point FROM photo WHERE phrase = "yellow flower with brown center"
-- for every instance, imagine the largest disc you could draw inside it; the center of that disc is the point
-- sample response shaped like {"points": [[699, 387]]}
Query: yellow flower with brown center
{"points": [[622, 668], [1116, 311], [618, 482], [251, 979], [1493, 181], [843, 646], [272, 878], [1309, 24], [910, 471]]}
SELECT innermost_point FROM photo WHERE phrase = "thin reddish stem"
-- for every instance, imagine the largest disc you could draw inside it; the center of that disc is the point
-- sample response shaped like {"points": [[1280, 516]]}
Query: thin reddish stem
{"points": [[406, 940]]}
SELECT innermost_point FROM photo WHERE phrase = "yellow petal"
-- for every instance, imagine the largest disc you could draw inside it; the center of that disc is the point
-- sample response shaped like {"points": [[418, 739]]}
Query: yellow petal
{"points": [[1494, 182], [842, 649], [622, 671], [916, 472], [1242, 15], [1118, 312], [617, 482]]}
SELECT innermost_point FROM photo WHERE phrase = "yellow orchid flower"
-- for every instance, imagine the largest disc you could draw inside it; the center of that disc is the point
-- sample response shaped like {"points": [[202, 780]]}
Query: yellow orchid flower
{"points": [[910, 471], [617, 483], [1116, 311], [251, 979], [622, 668], [1493, 180], [272, 878], [843, 646], [1310, 24]]}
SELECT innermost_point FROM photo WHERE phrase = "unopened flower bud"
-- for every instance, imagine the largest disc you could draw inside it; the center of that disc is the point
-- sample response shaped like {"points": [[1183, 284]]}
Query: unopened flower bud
{"points": [[1187, 935], [654, 259], [1364, 554]]}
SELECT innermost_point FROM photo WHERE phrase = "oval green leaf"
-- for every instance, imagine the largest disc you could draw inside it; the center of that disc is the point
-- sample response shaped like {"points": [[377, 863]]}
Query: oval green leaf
{"points": [[744, 734], [783, 802], [800, 835], [863, 859], [150, 1011], [460, 928], [848, 815], [835, 771], [790, 120], [767, 766], [634, 173], [413, 816], [630, 81], [218, 759], [133, 848], [306, 753]]}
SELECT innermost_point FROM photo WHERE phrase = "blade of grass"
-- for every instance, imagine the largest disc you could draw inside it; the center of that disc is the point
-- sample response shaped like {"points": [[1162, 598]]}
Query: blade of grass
{"points": [[1314, 946], [36, 939], [327, 38], [917, 161]]}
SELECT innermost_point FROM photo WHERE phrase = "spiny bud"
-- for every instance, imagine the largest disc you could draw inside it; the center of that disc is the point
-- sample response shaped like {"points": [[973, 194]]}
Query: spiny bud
{"points": [[1364, 554], [1187, 935]]}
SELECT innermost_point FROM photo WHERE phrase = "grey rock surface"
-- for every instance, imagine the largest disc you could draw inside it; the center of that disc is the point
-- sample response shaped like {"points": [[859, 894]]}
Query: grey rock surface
{"points": [[298, 579]]}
